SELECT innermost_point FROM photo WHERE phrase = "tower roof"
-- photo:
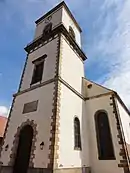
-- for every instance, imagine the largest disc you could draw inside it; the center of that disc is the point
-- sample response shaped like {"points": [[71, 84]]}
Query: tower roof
{"points": [[62, 4]]}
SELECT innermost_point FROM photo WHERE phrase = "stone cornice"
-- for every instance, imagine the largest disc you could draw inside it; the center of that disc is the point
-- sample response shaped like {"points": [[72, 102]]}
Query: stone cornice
{"points": [[71, 88], [62, 4], [58, 78], [99, 95], [34, 87], [60, 29]]}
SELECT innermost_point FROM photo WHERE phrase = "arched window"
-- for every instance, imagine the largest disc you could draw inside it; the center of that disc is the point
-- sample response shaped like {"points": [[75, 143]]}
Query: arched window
{"points": [[77, 137], [71, 31], [47, 28], [104, 139]]}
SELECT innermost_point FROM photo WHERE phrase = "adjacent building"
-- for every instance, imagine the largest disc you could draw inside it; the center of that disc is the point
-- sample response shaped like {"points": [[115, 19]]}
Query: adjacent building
{"points": [[3, 121]]}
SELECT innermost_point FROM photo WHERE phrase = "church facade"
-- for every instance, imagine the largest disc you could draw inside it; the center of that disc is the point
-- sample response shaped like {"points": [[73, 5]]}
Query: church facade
{"points": [[60, 121]]}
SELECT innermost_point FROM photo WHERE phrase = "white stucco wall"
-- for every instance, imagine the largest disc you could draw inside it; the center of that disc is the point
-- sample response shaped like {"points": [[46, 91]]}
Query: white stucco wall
{"points": [[125, 119], [56, 19], [71, 107], [72, 67], [94, 90], [67, 21], [41, 117], [50, 49], [102, 166]]}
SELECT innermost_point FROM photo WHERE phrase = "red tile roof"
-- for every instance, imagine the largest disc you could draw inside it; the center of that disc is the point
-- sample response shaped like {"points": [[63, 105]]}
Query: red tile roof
{"points": [[3, 121]]}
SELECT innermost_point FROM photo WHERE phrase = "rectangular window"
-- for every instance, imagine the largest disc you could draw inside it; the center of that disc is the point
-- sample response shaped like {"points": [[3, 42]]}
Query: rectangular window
{"points": [[38, 69], [37, 74]]}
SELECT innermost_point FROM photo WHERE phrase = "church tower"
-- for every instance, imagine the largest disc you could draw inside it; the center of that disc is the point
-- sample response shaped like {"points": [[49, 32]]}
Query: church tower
{"points": [[49, 77], [60, 121]]}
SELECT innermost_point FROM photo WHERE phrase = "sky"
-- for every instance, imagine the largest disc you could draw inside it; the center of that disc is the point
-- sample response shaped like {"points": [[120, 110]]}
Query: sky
{"points": [[105, 41]]}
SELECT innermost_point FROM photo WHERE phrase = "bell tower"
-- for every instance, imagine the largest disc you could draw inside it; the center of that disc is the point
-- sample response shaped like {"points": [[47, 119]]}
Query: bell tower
{"points": [[36, 133]]}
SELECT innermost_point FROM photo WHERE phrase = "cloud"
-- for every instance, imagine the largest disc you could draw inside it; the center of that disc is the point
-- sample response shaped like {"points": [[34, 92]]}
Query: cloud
{"points": [[30, 10], [26, 12], [115, 47], [106, 35], [4, 111]]}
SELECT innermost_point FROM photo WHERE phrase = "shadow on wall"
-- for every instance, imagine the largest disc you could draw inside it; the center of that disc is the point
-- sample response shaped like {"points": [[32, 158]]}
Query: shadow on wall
{"points": [[84, 154]]}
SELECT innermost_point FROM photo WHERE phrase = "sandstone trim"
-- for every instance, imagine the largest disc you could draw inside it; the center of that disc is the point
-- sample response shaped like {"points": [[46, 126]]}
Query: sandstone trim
{"points": [[100, 95], [36, 86], [7, 125], [42, 43], [60, 29], [55, 123], [124, 162], [39, 42], [16, 141], [63, 82]]}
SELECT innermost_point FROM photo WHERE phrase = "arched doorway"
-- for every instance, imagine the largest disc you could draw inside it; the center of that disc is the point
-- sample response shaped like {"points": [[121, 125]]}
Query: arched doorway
{"points": [[24, 149]]}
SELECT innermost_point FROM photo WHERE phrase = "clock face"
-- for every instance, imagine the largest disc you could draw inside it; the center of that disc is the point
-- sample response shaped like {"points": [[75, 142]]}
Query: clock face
{"points": [[48, 19]]}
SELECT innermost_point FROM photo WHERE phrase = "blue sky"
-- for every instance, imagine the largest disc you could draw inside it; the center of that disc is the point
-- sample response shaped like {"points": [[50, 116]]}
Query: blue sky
{"points": [[105, 40]]}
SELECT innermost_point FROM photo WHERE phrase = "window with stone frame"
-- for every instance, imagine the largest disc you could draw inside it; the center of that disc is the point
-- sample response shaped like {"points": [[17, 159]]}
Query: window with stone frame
{"points": [[77, 137], [38, 69], [104, 138]]}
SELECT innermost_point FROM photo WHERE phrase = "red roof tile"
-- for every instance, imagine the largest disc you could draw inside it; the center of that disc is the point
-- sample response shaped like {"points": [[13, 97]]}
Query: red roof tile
{"points": [[3, 121]]}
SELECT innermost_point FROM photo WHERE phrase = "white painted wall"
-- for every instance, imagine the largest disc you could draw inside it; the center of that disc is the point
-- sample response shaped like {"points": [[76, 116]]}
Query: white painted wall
{"points": [[72, 67], [102, 166], [71, 106], [125, 120], [72, 71], [41, 117], [55, 20], [49, 66], [94, 90], [67, 21]]}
